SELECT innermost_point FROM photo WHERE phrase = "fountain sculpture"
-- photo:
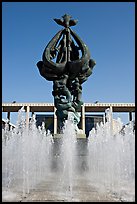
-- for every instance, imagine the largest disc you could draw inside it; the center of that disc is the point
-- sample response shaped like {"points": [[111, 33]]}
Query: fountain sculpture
{"points": [[66, 61], [38, 167]]}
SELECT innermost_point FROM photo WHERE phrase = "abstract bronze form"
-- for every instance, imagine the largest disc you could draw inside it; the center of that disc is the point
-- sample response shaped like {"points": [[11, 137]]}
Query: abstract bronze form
{"points": [[66, 61]]}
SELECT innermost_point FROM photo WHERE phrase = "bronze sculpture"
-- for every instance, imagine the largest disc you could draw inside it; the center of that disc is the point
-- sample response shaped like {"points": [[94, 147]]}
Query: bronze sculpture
{"points": [[62, 64]]}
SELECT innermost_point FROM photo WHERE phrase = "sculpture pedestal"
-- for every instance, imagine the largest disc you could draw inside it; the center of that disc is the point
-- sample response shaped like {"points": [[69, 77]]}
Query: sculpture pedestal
{"points": [[79, 135], [80, 156]]}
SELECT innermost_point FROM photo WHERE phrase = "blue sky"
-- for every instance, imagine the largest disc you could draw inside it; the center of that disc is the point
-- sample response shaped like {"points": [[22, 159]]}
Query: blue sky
{"points": [[108, 29]]}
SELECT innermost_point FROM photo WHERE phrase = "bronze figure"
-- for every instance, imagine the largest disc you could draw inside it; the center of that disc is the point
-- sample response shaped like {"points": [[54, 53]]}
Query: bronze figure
{"points": [[62, 64]]}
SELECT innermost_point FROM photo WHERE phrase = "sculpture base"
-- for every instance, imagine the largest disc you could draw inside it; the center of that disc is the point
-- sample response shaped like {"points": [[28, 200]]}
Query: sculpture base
{"points": [[79, 136]]}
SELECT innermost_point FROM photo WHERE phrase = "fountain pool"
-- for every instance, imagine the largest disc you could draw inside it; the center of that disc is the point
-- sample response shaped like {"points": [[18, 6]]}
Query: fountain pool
{"points": [[38, 167]]}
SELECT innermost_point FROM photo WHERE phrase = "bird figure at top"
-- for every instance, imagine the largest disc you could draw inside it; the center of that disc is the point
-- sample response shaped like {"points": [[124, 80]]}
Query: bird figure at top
{"points": [[66, 21]]}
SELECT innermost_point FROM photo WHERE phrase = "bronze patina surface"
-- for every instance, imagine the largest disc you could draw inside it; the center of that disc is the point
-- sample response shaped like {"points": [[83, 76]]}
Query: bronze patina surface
{"points": [[66, 61]]}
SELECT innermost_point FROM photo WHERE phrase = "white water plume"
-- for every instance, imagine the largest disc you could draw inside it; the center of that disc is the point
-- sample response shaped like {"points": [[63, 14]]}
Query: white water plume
{"points": [[25, 155], [31, 157], [112, 156]]}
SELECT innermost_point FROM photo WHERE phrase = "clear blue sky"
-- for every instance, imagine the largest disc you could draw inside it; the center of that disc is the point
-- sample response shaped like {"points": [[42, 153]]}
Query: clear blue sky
{"points": [[108, 28]]}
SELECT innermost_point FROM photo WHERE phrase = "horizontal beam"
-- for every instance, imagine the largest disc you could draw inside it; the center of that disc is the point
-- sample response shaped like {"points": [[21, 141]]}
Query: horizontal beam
{"points": [[49, 107], [117, 107]]}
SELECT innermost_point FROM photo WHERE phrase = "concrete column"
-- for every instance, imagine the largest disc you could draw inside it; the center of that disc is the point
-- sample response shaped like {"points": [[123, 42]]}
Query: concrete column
{"points": [[111, 118], [104, 118], [8, 116], [83, 118], [32, 113], [108, 114], [55, 121], [27, 115], [130, 116], [111, 113]]}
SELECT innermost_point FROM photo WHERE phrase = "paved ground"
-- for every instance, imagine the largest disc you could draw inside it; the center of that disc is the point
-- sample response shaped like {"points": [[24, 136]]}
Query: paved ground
{"points": [[83, 187], [83, 190]]}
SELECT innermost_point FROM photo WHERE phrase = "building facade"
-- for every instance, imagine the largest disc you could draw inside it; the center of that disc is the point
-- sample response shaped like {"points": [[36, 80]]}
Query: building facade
{"points": [[48, 120], [88, 111]]}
